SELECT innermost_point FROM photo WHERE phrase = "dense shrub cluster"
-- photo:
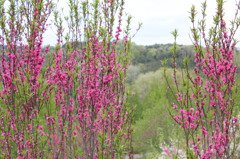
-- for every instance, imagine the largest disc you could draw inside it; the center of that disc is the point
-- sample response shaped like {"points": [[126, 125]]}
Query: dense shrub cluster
{"points": [[70, 102]]}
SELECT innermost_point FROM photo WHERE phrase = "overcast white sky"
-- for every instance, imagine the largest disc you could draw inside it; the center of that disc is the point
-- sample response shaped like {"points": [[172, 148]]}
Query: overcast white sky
{"points": [[161, 17]]}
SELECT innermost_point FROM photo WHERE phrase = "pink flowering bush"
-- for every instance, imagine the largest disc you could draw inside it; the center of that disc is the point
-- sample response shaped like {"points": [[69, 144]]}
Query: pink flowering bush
{"points": [[205, 101], [69, 103]]}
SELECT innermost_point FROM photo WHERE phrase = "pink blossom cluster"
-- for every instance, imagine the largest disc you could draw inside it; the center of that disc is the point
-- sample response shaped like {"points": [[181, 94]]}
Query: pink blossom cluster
{"points": [[68, 103], [205, 112]]}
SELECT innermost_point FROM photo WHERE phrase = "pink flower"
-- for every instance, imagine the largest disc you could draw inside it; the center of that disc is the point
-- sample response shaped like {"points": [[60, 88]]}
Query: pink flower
{"points": [[168, 152], [235, 120], [175, 107], [74, 133]]}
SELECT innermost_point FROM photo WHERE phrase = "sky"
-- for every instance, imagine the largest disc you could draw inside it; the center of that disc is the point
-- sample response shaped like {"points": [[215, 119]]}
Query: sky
{"points": [[161, 17]]}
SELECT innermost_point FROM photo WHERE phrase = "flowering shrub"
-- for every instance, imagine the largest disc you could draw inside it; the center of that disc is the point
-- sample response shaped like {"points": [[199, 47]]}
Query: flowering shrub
{"points": [[70, 103], [205, 101]]}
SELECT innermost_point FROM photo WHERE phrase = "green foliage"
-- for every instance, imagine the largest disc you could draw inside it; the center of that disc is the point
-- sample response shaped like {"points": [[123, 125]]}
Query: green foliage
{"points": [[153, 125], [148, 57]]}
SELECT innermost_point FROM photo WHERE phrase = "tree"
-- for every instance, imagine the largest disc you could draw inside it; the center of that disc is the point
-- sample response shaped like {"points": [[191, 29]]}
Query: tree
{"points": [[70, 103], [205, 106]]}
